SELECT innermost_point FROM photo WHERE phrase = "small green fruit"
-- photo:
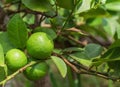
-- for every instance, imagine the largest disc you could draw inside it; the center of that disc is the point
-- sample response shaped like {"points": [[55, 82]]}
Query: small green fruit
{"points": [[36, 71], [15, 59], [40, 45]]}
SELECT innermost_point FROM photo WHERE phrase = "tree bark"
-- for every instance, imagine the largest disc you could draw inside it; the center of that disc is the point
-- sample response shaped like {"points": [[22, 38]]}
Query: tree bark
{"points": [[44, 82]]}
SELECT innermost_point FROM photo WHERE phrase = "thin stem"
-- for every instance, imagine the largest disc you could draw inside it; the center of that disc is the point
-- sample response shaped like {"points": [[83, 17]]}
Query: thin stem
{"points": [[68, 18], [77, 41], [17, 72]]}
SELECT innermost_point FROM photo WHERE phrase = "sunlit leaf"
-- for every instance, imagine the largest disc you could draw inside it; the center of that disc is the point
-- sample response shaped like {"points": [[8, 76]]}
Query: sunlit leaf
{"points": [[60, 65]]}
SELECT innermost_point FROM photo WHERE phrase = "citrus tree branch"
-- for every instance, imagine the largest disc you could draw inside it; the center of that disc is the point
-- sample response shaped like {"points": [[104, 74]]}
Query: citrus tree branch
{"points": [[17, 72], [10, 12], [81, 69]]}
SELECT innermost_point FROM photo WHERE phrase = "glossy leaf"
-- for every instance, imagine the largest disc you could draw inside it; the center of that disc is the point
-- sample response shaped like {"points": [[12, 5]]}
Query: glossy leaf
{"points": [[6, 45], [60, 65], [17, 31], [38, 5], [93, 50]]}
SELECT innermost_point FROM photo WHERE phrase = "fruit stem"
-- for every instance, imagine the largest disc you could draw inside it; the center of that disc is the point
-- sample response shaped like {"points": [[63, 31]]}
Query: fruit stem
{"points": [[17, 72]]}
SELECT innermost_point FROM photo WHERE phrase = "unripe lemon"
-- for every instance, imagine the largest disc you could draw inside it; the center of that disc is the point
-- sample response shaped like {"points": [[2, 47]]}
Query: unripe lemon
{"points": [[36, 71], [15, 59], [40, 45]]}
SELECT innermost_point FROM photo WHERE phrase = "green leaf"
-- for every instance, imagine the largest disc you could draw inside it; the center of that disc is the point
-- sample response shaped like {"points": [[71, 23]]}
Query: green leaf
{"points": [[17, 31], [81, 57], [92, 13], [93, 50], [114, 6], [73, 49], [118, 30], [111, 55], [6, 45], [49, 31], [2, 73], [115, 44], [38, 5], [58, 51], [2, 61], [10, 1], [110, 27], [86, 5], [67, 4], [110, 1], [60, 65], [29, 19]]}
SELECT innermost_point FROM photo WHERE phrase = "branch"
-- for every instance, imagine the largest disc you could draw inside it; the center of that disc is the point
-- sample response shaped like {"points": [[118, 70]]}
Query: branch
{"points": [[80, 69], [17, 72], [31, 12], [73, 39]]}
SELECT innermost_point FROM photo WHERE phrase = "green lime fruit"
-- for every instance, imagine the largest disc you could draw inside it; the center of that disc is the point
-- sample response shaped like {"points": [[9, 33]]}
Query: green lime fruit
{"points": [[15, 59], [40, 45], [36, 71]]}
